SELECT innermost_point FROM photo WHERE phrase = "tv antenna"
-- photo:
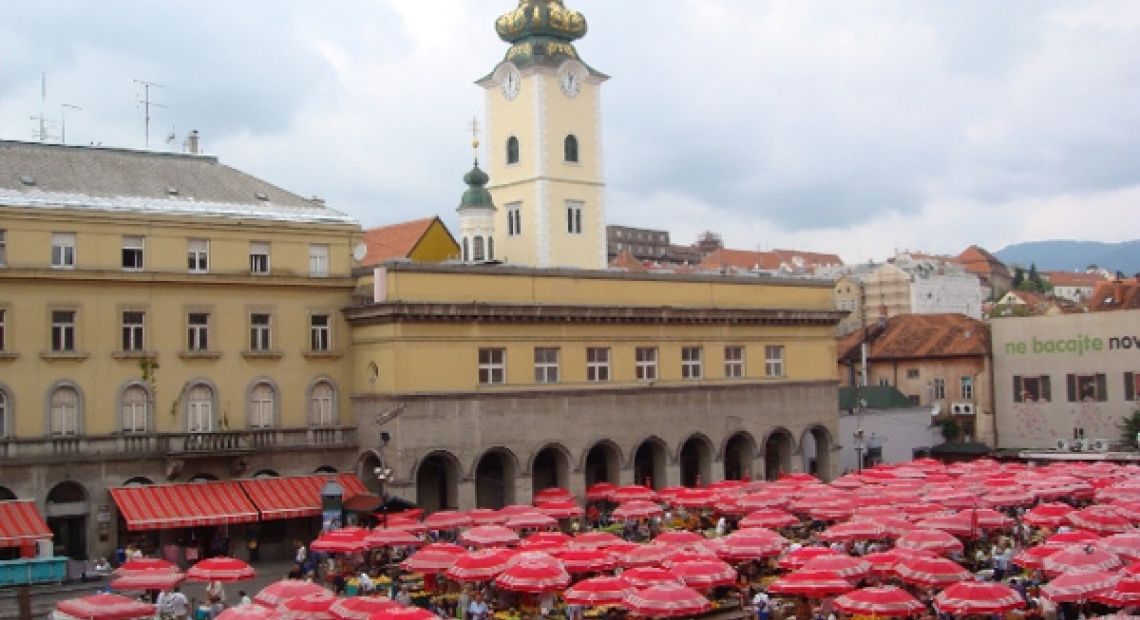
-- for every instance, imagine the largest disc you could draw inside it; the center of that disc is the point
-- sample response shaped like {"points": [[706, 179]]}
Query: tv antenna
{"points": [[63, 108], [41, 134], [148, 104]]}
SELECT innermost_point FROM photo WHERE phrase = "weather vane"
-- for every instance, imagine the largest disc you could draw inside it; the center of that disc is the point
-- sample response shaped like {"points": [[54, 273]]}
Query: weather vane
{"points": [[475, 138]]}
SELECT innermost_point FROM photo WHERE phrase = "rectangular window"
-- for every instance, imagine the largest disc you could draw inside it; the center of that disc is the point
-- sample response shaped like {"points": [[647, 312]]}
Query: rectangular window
{"points": [[646, 363], [319, 339], [774, 361], [734, 362], [132, 253], [259, 333], [63, 331], [492, 366], [966, 388], [911, 373], [197, 331], [258, 257], [63, 250], [545, 365], [884, 382], [3, 338], [691, 367], [133, 331], [597, 364], [514, 219], [1131, 379], [3, 248], [574, 217], [198, 255], [1032, 389], [318, 260], [938, 388], [1090, 387]]}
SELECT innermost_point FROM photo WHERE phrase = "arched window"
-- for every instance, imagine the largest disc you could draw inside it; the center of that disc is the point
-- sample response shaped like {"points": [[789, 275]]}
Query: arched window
{"points": [[490, 248], [466, 251], [65, 413], [262, 402], [512, 150], [135, 407], [200, 409], [477, 249], [322, 404], [570, 149]]}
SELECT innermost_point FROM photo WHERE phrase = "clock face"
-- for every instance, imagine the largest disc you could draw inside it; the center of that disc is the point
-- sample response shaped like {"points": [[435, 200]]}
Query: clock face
{"points": [[511, 83], [571, 84]]}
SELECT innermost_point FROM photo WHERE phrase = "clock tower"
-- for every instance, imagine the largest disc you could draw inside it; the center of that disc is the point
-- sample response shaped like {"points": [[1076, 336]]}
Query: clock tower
{"points": [[544, 150]]}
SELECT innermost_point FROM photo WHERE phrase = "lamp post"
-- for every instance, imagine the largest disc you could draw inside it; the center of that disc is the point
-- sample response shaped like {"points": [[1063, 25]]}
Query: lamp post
{"points": [[857, 436]]}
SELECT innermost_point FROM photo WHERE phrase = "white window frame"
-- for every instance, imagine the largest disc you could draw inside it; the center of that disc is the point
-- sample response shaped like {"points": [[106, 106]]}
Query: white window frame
{"points": [[134, 253], [938, 388], [3, 248], [63, 330], [259, 258], [514, 219], [574, 210], [134, 414], [320, 335], [197, 334], [734, 361], [966, 387], [134, 331], [318, 260], [546, 364], [198, 255], [322, 404], [492, 366], [645, 363], [774, 360], [3, 329], [692, 363], [260, 331], [200, 411], [261, 407], [65, 415], [63, 250], [597, 364]]}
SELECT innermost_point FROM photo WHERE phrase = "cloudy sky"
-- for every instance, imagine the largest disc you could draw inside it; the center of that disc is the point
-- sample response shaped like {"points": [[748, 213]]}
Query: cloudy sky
{"points": [[854, 127]]}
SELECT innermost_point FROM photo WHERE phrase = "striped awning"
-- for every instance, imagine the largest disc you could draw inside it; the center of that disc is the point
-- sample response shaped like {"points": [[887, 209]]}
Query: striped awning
{"points": [[296, 496], [169, 506], [21, 523]]}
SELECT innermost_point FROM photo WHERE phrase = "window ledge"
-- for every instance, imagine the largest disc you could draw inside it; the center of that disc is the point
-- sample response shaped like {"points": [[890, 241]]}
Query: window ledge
{"points": [[7, 357], [134, 355], [199, 355], [322, 355], [262, 355], [68, 356]]}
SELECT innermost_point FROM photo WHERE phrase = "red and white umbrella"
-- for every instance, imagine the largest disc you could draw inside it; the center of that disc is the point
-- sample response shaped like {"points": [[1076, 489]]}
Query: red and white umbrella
{"points": [[853, 530], [486, 516], [690, 553], [645, 577], [531, 521], [586, 560], [533, 574], [447, 520], [884, 562], [934, 541], [221, 568], [560, 509], [247, 612], [751, 544], [637, 509], [1100, 519], [934, 572], [770, 518], [146, 564], [392, 538], [105, 607], [1034, 557], [490, 536], [695, 498], [595, 540], [433, 558], [480, 565], [631, 492], [949, 523], [404, 613], [765, 500], [546, 541], [599, 491], [679, 537], [360, 607], [1072, 537], [652, 554], [803, 555], [1080, 558], [553, 494], [845, 566], [1008, 497], [667, 601], [1126, 545], [967, 598], [344, 540], [814, 584], [1078, 587], [1050, 514], [889, 601], [309, 607], [1126, 592], [276, 593], [598, 591], [154, 579], [702, 574]]}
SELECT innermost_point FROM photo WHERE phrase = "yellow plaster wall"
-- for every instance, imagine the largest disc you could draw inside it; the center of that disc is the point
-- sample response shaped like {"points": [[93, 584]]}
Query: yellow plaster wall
{"points": [[437, 245]]}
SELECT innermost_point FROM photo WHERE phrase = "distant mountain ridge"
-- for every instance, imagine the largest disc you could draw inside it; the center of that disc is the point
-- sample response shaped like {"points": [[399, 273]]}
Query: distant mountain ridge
{"points": [[1067, 255]]}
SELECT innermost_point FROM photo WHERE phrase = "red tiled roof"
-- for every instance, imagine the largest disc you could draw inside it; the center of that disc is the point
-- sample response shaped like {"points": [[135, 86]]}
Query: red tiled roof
{"points": [[1072, 278], [919, 336], [740, 259], [626, 260], [1115, 295], [810, 259], [977, 260], [1030, 298], [394, 241]]}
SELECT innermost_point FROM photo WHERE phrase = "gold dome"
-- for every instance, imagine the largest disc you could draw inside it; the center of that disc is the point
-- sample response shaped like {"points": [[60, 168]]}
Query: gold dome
{"points": [[542, 19]]}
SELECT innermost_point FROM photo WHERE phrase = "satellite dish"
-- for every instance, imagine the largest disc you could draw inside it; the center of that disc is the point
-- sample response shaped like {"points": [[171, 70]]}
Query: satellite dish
{"points": [[359, 252]]}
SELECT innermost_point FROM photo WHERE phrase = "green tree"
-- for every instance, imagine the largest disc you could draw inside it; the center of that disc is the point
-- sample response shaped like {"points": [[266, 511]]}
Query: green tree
{"points": [[950, 428], [1129, 426], [1018, 277], [1033, 276]]}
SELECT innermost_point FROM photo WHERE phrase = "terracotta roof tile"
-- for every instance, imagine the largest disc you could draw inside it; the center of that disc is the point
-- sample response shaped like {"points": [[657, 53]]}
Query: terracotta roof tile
{"points": [[978, 261], [1115, 295], [920, 336], [625, 260], [394, 241], [744, 260], [1072, 278]]}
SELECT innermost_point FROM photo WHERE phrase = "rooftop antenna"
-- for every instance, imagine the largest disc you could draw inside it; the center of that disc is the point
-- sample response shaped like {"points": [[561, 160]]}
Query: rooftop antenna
{"points": [[42, 134], [63, 107], [147, 104]]}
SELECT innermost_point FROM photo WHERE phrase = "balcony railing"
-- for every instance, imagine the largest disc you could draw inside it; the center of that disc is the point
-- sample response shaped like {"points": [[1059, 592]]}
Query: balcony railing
{"points": [[131, 446]]}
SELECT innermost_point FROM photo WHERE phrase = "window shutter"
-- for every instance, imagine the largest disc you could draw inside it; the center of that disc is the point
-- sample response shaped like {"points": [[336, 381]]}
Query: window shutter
{"points": [[1017, 396], [1101, 387], [1046, 389], [1129, 386], [1071, 387]]}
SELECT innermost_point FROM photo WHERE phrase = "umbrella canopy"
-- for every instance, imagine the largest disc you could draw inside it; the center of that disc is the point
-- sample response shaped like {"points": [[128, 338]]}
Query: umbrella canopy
{"points": [[667, 601], [934, 541], [392, 538], [632, 492], [934, 572], [695, 498], [598, 591], [533, 574], [146, 564], [308, 607], [247, 612], [553, 494], [1072, 537], [104, 607], [978, 597], [560, 509], [1126, 545], [646, 577], [813, 584], [769, 517], [153, 579], [1078, 587], [595, 540], [853, 530], [1126, 592], [1033, 557], [652, 554], [480, 565], [770, 499], [490, 536], [532, 520], [434, 558], [845, 566], [637, 509], [1080, 558], [884, 562], [546, 540], [360, 607], [276, 593], [221, 568], [344, 540], [599, 491], [751, 544], [1049, 514], [1100, 519], [888, 601], [586, 560], [447, 520], [486, 516], [404, 613], [702, 574], [680, 537]]}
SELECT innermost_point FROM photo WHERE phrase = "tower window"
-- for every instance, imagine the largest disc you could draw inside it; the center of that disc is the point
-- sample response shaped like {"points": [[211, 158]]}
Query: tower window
{"points": [[477, 249], [574, 217], [490, 248], [570, 149], [512, 150], [514, 219], [466, 250]]}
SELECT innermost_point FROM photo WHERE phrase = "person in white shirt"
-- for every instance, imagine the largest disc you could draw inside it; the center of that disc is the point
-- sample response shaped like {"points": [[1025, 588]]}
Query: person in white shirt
{"points": [[243, 598], [367, 586], [478, 610], [178, 604]]}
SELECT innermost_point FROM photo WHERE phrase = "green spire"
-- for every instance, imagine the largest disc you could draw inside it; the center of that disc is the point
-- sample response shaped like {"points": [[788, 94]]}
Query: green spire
{"points": [[477, 195], [541, 32]]}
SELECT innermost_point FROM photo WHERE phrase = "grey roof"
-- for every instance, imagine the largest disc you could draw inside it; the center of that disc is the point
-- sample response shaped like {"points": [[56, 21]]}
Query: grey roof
{"points": [[36, 175]]}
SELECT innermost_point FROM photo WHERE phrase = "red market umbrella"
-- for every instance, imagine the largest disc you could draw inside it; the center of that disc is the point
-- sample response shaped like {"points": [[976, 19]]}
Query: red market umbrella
{"points": [[595, 540], [447, 520], [888, 601], [637, 509], [977, 598], [934, 541], [360, 607], [1010, 497], [1078, 587], [309, 607], [632, 492], [434, 558], [546, 540], [703, 574], [1126, 545], [769, 518], [799, 557], [346, 540], [490, 536], [553, 494], [813, 584], [751, 544], [531, 521], [146, 564], [1047, 515], [845, 566], [153, 579], [105, 607], [695, 498], [933, 572], [645, 577], [480, 565], [1080, 558], [247, 612], [561, 509], [884, 562], [586, 560], [404, 613], [667, 601], [679, 537], [1100, 519], [486, 516], [599, 491], [1126, 592], [1033, 557], [220, 568], [1064, 539], [765, 500], [392, 538], [689, 553], [853, 530], [276, 593], [598, 591], [533, 575], [949, 523]]}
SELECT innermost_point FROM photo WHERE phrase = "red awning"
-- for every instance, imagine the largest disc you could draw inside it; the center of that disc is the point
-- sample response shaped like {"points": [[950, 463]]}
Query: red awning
{"points": [[296, 496], [169, 506], [21, 523]]}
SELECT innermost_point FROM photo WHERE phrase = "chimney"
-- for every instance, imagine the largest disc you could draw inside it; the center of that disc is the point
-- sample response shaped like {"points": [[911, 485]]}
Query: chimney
{"points": [[192, 142]]}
